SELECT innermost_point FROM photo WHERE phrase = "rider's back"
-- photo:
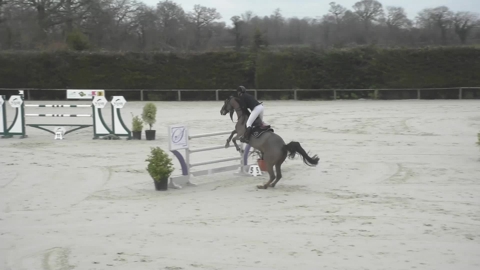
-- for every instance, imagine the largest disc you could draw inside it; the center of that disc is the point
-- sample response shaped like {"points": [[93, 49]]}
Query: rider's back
{"points": [[249, 101]]}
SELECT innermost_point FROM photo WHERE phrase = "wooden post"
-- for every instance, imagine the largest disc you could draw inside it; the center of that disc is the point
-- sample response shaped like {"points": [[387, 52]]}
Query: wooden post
{"points": [[295, 94], [418, 94], [141, 95], [334, 94], [216, 95], [179, 95]]}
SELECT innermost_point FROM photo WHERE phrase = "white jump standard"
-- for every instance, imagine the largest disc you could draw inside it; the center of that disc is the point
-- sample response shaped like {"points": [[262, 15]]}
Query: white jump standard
{"points": [[17, 128], [100, 128], [179, 139]]}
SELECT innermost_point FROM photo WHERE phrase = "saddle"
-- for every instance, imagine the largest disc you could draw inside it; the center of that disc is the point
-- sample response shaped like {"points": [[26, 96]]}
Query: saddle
{"points": [[259, 128]]}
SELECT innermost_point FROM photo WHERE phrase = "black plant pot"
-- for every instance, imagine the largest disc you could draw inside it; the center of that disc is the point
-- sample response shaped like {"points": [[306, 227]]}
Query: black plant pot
{"points": [[150, 135], [137, 135], [162, 184]]}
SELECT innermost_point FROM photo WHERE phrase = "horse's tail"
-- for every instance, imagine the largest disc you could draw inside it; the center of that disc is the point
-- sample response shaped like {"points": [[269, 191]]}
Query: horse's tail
{"points": [[294, 147]]}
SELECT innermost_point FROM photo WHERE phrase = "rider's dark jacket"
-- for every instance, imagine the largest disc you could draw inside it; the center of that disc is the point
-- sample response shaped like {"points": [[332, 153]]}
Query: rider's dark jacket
{"points": [[249, 101]]}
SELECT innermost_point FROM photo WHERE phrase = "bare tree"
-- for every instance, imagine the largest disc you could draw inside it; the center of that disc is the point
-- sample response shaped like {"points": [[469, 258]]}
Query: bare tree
{"points": [[172, 18], [439, 17], [247, 16], [397, 18], [48, 15], [277, 23], [237, 31], [464, 22], [145, 23], [201, 17], [130, 25], [73, 12], [5, 29], [3, 3], [297, 31], [337, 10], [368, 11], [397, 24]]}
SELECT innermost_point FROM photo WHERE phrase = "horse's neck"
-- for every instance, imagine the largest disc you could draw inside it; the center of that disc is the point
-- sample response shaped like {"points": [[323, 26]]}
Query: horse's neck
{"points": [[240, 116], [239, 111]]}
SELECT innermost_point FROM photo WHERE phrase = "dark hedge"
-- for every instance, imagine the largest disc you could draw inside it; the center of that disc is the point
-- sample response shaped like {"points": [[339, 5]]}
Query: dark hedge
{"points": [[370, 68], [367, 67], [123, 70]]}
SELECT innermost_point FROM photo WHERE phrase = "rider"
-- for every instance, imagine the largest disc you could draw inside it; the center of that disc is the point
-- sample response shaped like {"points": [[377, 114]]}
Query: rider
{"points": [[255, 107]]}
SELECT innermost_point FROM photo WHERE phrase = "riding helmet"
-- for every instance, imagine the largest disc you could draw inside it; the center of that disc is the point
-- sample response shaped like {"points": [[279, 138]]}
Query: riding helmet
{"points": [[241, 89]]}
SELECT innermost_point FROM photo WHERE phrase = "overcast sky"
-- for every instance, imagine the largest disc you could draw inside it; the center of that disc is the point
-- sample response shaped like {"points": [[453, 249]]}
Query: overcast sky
{"points": [[313, 8]]}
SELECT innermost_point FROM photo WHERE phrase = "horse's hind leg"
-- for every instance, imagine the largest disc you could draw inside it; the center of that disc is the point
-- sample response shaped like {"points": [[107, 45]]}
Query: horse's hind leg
{"points": [[272, 176], [278, 168], [279, 174]]}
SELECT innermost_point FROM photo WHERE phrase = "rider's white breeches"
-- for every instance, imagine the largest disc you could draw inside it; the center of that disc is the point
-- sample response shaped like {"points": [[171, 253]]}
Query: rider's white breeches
{"points": [[257, 112]]}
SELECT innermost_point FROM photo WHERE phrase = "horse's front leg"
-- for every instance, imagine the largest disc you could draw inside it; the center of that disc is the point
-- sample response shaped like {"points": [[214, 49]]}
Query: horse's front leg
{"points": [[229, 139], [234, 140]]}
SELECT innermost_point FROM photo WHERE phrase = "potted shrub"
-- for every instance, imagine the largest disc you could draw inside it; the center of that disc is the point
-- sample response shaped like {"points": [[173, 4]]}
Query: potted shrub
{"points": [[159, 167], [260, 161], [137, 126], [149, 116]]}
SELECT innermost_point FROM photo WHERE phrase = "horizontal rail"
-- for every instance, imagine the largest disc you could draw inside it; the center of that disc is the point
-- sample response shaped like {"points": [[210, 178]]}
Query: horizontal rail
{"points": [[58, 106], [255, 91], [250, 89], [210, 134], [206, 149], [59, 115], [214, 161], [215, 170], [60, 125]]}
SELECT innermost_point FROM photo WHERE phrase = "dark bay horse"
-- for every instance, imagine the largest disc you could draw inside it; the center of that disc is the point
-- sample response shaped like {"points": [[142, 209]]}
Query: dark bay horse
{"points": [[273, 147]]}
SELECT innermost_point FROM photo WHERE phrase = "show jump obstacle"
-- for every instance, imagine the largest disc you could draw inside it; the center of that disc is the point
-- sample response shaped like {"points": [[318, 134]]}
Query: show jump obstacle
{"points": [[100, 128], [179, 140]]}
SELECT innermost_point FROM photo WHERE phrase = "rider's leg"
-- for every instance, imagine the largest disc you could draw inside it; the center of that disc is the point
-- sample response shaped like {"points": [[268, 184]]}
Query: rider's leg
{"points": [[255, 113], [261, 118]]}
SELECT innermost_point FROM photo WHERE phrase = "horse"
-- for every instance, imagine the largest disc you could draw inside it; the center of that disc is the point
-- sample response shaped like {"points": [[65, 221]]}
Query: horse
{"points": [[272, 146]]}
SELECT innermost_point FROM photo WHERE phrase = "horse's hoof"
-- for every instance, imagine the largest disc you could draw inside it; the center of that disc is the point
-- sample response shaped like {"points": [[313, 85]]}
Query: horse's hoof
{"points": [[227, 145], [272, 185], [261, 187]]}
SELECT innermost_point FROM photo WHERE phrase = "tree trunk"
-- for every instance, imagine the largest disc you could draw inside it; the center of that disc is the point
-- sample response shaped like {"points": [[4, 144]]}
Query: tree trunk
{"points": [[463, 36], [42, 24], [69, 19], [443, 32]]}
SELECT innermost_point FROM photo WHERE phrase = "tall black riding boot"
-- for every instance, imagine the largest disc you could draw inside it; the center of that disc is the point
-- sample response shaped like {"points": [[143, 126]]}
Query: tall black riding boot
{"points": [[246, 136]]}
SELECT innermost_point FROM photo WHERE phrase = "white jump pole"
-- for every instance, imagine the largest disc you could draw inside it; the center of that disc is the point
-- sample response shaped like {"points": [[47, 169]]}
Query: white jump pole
{"points": [[179, 139]]}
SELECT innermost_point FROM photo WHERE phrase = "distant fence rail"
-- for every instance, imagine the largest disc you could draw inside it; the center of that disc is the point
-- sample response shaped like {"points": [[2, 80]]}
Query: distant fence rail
{"points": [[220, 94]]}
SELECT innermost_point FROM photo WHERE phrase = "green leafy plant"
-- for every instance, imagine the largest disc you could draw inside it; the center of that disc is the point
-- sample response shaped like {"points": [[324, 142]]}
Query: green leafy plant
{"points": [[160, 165], [149, 114], [137, 124], [78, 41]]}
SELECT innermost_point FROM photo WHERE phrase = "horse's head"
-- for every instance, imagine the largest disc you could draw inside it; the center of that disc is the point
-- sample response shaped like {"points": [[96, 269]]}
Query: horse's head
{"points": [[227, 107], [230, 105]]}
